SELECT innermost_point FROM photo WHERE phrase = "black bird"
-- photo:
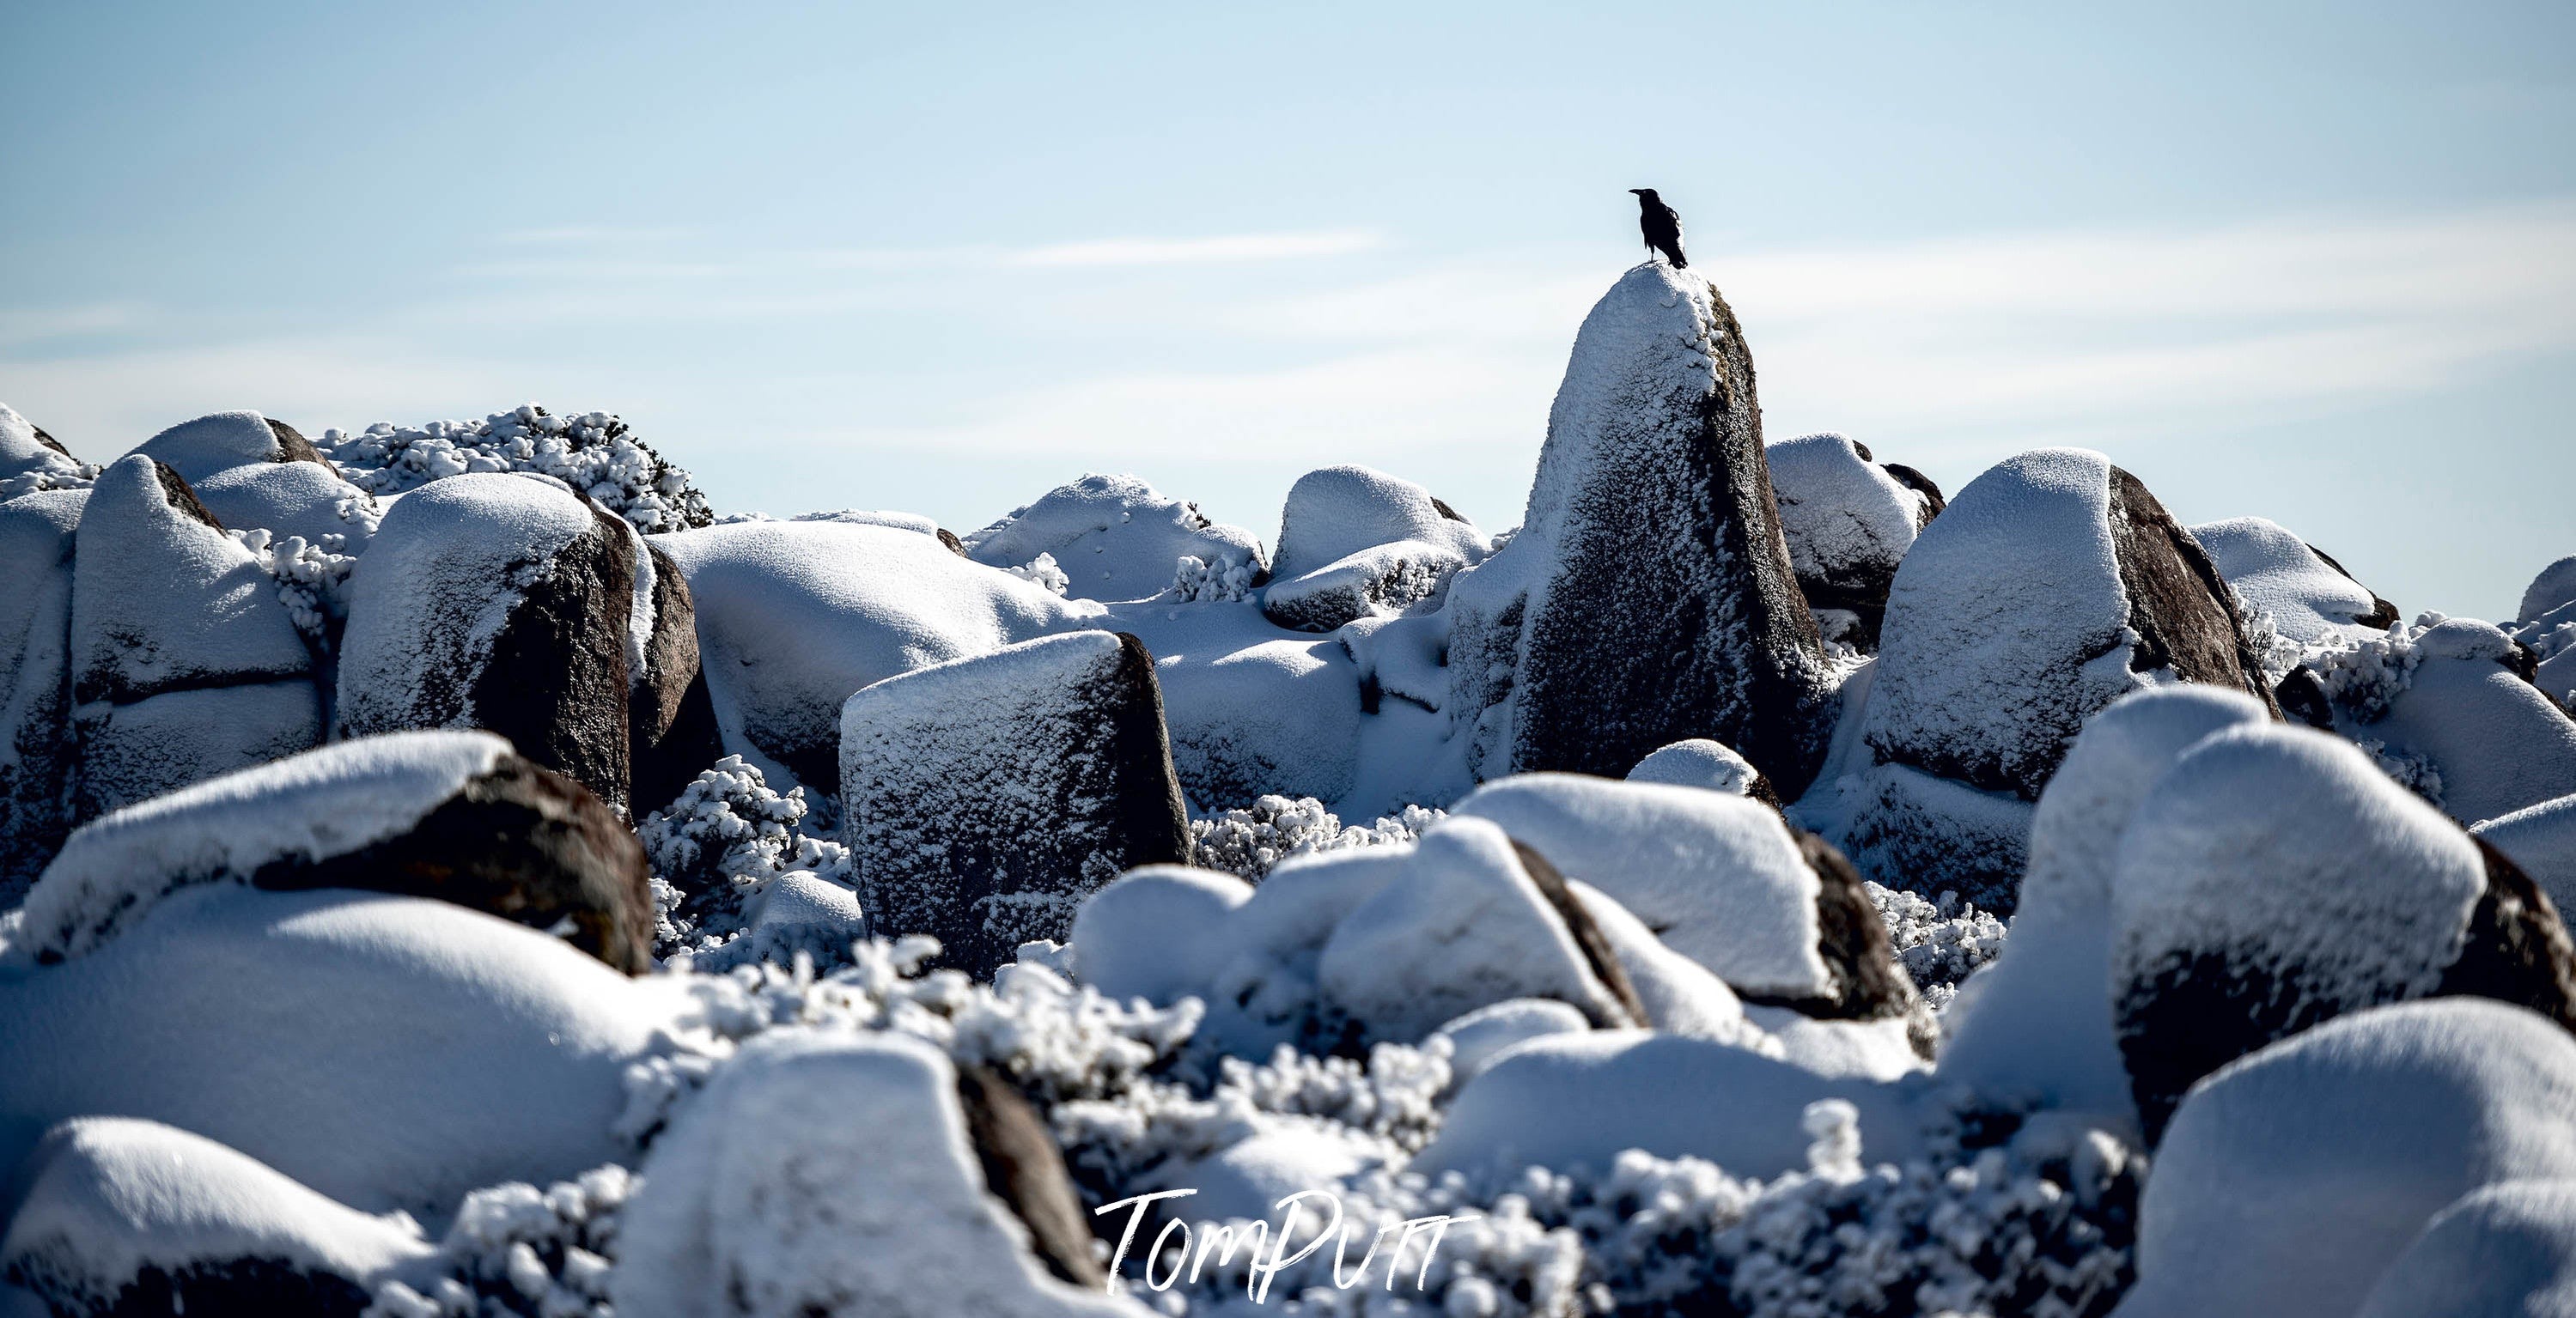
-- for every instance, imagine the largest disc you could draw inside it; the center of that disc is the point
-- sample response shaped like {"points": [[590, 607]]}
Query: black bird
{"points": [[1662, 227]]}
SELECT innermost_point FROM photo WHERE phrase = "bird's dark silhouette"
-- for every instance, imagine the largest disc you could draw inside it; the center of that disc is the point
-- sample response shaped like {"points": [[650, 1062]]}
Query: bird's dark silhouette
{"points": [[1661, 225]]}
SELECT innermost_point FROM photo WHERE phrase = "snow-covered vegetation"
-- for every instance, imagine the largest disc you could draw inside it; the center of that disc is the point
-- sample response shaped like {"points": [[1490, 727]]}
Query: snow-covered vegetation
{"points": [[424, 895]]}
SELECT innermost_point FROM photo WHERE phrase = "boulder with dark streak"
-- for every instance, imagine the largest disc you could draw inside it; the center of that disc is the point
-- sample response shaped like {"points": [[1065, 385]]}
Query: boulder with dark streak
{"points": [[37, 755], [2053, 585], [184, 664], [1849, 521], [1649, 595], [983, 799], [221, 441], [2275, 878], [671, 720], [503, 602]]}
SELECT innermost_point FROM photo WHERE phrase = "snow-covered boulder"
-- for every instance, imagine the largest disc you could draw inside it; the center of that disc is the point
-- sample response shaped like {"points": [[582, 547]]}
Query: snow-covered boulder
{"points": [[2508, 1249], [1253, 713], [2492, 741], [2542, 841], [1723, 880], [1648, 595], [2309, 595], [1472, 923], [671, 717], [1482, 1035], [221, 441], [1580, 1100], [31, 460], [498, 601], [1848, 521], [1356, 543], [122, 1216], [1264, 991], [794, 616], [1700, 762], [829, 1175], [1155, 933], [389, 1052], [2051, 586], [304, 499], [449, 815], [185, 664], [2274, 878], [1114, 537], [37, 755], [984, 798], [2037, 1024], [2554, 588], [2291, 1179]]}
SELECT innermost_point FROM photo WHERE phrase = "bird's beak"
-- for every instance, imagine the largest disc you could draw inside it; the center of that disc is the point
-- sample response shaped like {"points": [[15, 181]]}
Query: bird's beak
{"points": [[1637, 192]]}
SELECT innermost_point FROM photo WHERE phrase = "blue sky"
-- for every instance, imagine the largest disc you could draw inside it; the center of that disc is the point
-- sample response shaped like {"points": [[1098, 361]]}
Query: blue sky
{"points": [[2315, 262]]}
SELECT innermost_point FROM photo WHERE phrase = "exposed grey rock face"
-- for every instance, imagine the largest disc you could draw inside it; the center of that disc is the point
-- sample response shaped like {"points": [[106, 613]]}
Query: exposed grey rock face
{"points": [[2053, 585], [984, 799], [37, 756], [1848, 520], [184, 664], [1648, 596], [2275, 879], [503, 602]]}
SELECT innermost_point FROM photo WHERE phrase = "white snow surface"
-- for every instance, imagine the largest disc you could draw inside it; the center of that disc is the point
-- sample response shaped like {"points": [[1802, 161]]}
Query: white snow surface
{"points": [[1115, 537], [1580, 1100], [2286, 850], [794, 616], [1840, 512], [1717, 877], [131, 753], [2552, 589], [1680, 996], [2507, 1250], [218, 441], [2007, 625], [103, 1198], [2279, 574], [450, 563], [2542, 840], [2497, 743], [23, 456], [389, 1052], [2292, 1177], [322, 803], [2039, 1024], [1156, 933], [1482, 1035], [828, 1172], [290, 498], [163, 601], [1697, 762], [1464, 928], [1254, 710]]}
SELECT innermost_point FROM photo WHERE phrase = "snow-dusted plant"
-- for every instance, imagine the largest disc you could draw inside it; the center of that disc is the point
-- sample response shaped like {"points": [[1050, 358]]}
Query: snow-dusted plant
{"points": [[312, 579], [1044, 571], [518, 1250], [1248, 842], [1939, 942], [593, 452], [1196, 580], [719, 843], [2362, 675]]}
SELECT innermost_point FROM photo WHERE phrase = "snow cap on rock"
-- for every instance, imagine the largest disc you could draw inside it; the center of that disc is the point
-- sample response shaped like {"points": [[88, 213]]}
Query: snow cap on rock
{"points": [[118, 1212], [2292, 1178], [2309, 596], [1115, 537], [2553, 589], [220, 441], [895, 1217], [2507, 1249], [1698, 762]]}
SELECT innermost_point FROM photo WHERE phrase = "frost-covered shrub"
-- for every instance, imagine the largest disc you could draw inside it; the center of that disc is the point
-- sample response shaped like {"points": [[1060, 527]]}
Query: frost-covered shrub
{"points": [[1248, 842], [1940, 942], [1228, 579], [518, 1250], [2361, 676], [720, 843], [312, 579], [81, 477], [1044, 571], [592, 452]]}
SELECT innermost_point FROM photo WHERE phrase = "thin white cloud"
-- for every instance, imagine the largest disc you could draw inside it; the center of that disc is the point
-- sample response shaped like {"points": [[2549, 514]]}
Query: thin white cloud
{"points": [[595, 233], [38, 324], [1239, 247]]}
